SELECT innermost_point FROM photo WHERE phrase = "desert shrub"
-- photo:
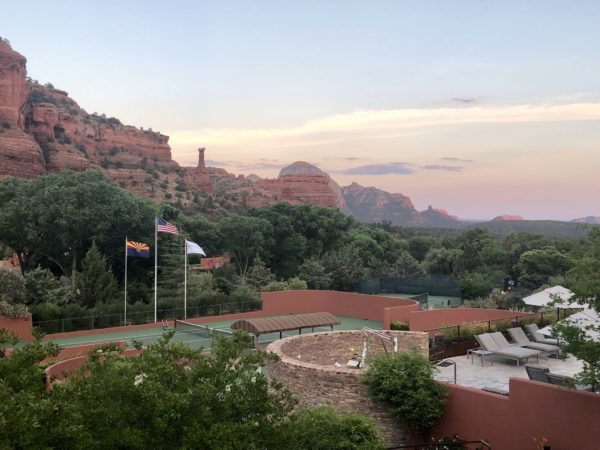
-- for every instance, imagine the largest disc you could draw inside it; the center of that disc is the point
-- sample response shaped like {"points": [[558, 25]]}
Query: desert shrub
{"points": [[323, 428], [18, 311], [404, 382], [399, 326]]}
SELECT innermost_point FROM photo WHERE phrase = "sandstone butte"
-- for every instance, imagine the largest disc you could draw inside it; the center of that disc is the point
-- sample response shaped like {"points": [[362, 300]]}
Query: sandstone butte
{"points": [[43, 130]]}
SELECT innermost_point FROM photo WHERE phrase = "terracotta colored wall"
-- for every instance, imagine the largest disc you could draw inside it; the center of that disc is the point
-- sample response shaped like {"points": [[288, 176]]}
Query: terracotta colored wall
{"points": [[80, 350], [568, 418], [399, 313], [62, 369], [21, 327], [347, 304], [361, 306], [436, 318]]}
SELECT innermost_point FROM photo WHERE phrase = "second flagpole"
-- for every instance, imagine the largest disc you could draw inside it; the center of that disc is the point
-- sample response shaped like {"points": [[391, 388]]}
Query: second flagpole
{"points": [[155, 268], [125, 308], [185, 281]]}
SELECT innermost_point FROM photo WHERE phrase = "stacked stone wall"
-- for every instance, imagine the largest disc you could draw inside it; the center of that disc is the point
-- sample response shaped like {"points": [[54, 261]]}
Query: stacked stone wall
{"points": [[307, 368]]}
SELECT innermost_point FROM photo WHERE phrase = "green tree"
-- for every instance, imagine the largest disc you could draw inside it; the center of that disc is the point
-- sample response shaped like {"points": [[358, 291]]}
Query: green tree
{"points": [[442, 261], [259, 275], [314, 274], [345, 268], [407, 266], [244, 238], [476, 284], [536, 267], [12, 289], [97, 283], [419, 246], [584, 281], [405, 383], [190, 400], [41, 286]]}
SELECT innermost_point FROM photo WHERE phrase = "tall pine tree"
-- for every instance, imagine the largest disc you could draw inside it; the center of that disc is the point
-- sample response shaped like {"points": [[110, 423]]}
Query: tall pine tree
{"points": [[96, 283]]}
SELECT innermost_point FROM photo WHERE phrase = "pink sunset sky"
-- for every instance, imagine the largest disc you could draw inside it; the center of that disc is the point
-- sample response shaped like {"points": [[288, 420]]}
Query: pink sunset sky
{"points": [[480, 108]]}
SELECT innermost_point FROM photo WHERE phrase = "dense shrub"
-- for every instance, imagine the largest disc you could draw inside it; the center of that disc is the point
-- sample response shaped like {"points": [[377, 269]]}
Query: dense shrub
{"points": [[324, 429], [399, 326], [404, 382]]}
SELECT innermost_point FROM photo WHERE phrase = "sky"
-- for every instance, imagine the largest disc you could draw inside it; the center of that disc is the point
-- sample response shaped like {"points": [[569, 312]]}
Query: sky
{"points": [[480, 108]]}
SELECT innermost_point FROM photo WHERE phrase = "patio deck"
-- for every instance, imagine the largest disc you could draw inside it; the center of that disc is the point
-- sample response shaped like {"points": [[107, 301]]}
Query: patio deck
{"points": [[496, 371]]}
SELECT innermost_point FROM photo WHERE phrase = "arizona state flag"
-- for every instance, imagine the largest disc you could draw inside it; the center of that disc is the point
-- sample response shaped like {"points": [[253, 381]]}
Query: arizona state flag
{"points": [[138, 249]]}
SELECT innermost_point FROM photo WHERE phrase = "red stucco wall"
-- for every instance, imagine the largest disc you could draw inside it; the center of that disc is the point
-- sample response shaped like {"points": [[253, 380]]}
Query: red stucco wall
{"points": [[436, 318], [361, 306], [568, 418], [21, 327]]}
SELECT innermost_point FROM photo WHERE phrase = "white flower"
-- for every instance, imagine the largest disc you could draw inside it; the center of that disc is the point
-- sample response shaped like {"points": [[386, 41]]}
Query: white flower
{"points": [[253, 380], [228, 388], [139, 379]]}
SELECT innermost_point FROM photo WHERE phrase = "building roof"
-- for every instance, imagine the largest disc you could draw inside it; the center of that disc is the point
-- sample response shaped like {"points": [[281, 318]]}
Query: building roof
{"points": [[265, 325]]}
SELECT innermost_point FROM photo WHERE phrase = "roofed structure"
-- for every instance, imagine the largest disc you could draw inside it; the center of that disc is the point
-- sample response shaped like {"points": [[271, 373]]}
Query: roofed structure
{"points": [[265, 325]]}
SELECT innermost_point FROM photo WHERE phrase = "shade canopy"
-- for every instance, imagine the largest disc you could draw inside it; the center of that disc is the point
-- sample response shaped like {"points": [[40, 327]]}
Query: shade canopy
{"points": [[557, 296], [265, 325]]}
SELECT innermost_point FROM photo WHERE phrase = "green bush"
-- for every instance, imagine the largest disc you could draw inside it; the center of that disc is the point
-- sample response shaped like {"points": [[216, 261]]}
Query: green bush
{"points": [[399, 326], [404, 382], [324, 429]]}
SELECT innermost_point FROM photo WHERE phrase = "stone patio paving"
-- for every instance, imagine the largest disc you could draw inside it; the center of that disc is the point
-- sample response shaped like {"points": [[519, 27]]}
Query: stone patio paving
{"points": [[496, 371]]}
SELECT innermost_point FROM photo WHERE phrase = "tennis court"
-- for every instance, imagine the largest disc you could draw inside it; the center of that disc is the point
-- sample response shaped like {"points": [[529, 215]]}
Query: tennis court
{"points": [[199, 337]]}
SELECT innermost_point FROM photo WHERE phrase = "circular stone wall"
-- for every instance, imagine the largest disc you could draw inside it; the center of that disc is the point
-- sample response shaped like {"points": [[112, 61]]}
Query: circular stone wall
{"points": [[306, 366]]}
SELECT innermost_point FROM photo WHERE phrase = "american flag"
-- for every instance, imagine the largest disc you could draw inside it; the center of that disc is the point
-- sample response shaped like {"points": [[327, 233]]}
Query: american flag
{"points": [[165, 227]]}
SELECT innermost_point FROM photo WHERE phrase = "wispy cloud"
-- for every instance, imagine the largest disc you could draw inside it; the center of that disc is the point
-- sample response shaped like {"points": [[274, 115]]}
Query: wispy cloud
{"points": [[464, 100], [212, 162], [398, 168], [444, 168], [458, 160], [375, 123]]}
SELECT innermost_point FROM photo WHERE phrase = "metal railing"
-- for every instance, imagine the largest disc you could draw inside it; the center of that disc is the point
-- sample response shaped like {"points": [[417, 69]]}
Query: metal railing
{"points": [[91, 322], [455, 340]]}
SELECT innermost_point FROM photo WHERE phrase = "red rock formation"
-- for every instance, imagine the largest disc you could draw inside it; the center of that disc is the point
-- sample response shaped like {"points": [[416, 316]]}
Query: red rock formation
{"points": [[20, 155], [300, 183], [369, 204], [13, 87], [198, 178]]}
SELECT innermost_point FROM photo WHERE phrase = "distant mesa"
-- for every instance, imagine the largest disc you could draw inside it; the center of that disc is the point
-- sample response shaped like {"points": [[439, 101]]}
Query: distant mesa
{"points": [[302, 168], [591, 220], [508, 217], [253, 177]]}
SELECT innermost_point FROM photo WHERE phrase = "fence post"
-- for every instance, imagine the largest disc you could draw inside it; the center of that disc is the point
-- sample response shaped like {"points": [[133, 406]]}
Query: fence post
{"points": [[220, 309], [458, 333], [62, 321], [489, 326], [92, 320]]}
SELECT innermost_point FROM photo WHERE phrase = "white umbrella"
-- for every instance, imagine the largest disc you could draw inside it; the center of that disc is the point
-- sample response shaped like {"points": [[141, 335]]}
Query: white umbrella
{"points": [[556, 296], [581, 319]]}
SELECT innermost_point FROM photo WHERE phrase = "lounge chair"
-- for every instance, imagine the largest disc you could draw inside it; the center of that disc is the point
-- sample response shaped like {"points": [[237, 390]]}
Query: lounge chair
{"points": [[563, 380], [543, 374], [537, 373], [518, 335], [535, 334], [489, 343], [494, 390]]}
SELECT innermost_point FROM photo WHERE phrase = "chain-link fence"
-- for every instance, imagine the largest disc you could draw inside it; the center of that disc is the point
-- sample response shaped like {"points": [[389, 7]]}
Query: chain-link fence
{"points": [[92, 322], [441, 285]]}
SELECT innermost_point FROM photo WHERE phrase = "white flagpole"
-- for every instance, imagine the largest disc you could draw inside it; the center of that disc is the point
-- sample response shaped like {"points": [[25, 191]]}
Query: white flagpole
{"points": [[125, 309], [155, 270], [185, 282]]}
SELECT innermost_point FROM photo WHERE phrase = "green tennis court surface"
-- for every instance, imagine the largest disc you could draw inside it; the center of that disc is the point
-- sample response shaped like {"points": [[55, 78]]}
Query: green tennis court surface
{"points": [[198, 339]]}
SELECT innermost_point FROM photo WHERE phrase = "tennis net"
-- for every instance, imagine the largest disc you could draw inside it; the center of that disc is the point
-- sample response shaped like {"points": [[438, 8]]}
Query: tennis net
{"points": [[203, 331]]}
